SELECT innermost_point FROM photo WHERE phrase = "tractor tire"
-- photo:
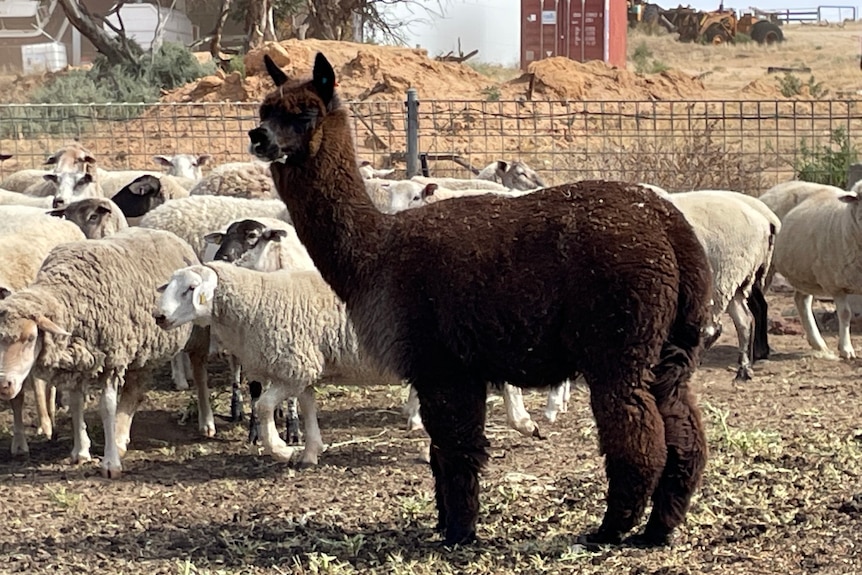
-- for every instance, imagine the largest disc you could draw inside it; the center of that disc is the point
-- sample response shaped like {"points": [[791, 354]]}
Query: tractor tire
{"points": [[716, 34], [651, 14], [766, 32]]}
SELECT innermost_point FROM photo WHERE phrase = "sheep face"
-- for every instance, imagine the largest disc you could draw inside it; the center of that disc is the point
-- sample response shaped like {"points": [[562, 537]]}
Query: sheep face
{"points": [[139, 196], [520, 176], [20, 345], [239, 238], [71, 158], [262, 256], [71, 186], [289, 129], [404, 195], [94, 216], [187, 297], [184, 165]]}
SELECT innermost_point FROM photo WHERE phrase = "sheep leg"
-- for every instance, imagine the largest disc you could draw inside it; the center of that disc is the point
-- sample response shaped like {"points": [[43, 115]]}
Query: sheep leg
{"points": [[236, 407], [265, 407], [178, 371], [44, 407], [255, 388], [845, 314], [759, 308], [313, 441], [19, 434], [743, 321], [206, 420], [80, 439], [517, 415], [112, 468], [291, 432], [685, 440], [453, 410], [558, 400], [411, 408], [632, 438], [130, 398], [812, 333]]}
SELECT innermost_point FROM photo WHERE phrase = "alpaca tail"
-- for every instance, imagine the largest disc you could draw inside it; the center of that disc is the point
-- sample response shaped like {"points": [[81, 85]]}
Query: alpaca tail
{"points": [[684, 434]]}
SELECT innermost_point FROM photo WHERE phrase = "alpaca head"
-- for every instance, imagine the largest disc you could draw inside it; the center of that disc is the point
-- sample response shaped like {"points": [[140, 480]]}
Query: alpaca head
{"points": [[291, 116]]}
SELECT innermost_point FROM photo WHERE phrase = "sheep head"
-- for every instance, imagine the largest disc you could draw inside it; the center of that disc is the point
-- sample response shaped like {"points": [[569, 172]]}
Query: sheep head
{"points": [[21, 340], [187, 297]]}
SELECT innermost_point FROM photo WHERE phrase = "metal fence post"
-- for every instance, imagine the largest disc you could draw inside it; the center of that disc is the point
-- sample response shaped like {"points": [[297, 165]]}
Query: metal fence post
{"points": [[412, 104]]}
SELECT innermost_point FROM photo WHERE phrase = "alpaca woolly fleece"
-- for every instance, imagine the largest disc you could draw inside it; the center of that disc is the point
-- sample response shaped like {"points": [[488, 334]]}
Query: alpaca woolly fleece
{"points": [[193, 217], [249, 180]]}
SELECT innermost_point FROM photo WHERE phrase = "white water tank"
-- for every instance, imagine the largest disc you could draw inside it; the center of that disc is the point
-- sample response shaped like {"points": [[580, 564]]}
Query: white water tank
{"points": [[46, 57], [141, 21]]}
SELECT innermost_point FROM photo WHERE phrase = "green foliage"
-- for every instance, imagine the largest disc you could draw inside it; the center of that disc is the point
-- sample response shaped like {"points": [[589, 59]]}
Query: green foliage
{"points": [[492, 93], [827, 164], [791, 85], [742, 38], [236, 64], [645, 63], [140, 83]]}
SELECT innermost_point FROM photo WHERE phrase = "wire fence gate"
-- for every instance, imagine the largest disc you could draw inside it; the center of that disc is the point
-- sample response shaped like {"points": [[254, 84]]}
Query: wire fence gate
{"points": [[744, 145]]}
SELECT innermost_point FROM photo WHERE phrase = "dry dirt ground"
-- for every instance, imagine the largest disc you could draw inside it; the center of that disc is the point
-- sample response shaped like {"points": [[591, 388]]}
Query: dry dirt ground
{"points": [[782, 492]]}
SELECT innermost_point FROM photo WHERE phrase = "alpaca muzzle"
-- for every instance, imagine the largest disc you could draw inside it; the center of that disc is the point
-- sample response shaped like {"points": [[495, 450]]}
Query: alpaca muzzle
{"points": [[263, 145]]}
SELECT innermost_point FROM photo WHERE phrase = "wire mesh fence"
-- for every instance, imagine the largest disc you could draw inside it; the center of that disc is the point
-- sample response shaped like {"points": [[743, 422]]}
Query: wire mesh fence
{"points": [[744, 145]]}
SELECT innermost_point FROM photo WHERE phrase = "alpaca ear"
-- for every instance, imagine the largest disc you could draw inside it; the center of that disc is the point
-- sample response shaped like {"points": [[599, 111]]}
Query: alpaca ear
{"points": [[323, 78], [277, 75]]}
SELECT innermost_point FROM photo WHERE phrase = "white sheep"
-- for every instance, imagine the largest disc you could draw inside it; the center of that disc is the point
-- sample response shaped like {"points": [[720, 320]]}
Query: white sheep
{"points": [[186, 166], [461, 184], [783, 197], [391, 196], [88, 318], [14, 217], [194, 217], [20, 258], [369, 172], [817, 252], [9, 198], [515, 176], [20, 180], [145, 193], [239, 180], [70, 158], [66, 187], [183, 171], [288, 327]]}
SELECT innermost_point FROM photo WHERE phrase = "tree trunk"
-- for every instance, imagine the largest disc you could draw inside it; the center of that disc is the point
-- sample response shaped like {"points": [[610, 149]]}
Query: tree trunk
{"points": [[215, 43], [110, 47]]}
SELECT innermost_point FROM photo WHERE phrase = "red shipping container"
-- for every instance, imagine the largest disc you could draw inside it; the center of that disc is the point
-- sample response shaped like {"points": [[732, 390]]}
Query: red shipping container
{"points": [[582, 30]]}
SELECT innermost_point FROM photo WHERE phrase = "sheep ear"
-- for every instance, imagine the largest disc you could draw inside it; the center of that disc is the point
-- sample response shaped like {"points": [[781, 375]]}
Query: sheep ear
{"points": [[277, 75], [848, 198], [214, 238], [57, 213], [273, 235], [163, 160], [323, 78], [162, 288], [85, 180], [50, 178], [52, 159], [4, 293], [4, 157], [428, 190], [203, 160], [145, 186], [88, 159], [103, 209], [46, 324]]}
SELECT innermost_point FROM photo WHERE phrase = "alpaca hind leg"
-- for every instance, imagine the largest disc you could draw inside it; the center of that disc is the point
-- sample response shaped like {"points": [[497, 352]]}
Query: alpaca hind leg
{"points": [[631, 436], [516, 413], [686, 446], [845, 314], [454, 416], [812, 332], [743, 321]]}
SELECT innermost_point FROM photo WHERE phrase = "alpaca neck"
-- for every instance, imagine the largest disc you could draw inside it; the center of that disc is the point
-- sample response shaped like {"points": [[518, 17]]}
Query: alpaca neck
{"points": [[330, 209]]}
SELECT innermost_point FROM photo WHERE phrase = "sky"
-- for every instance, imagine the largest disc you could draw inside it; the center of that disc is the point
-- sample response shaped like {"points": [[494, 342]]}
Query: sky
{"points": [[493, 26]]}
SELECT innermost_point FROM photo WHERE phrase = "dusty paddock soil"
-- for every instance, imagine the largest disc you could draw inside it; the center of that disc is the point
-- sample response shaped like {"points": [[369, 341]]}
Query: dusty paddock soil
{"points": [[782, 493]]}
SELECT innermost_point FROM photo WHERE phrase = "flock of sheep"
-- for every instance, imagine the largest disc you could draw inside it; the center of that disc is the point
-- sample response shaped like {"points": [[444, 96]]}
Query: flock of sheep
{"points": [[105, 276]]}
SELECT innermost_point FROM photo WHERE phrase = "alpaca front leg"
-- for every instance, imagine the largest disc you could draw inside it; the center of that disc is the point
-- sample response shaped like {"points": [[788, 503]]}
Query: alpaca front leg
{"points": [[845, 315], [313, 441], [265, 408], [112, 468], [19, 434], [43, 407], [517, 415], [743, 321], [812, 332], [454, 416], [80, 439]]}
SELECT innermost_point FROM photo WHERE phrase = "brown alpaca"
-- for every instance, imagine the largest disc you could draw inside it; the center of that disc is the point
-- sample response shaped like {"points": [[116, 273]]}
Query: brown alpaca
{"points": [[598, 278]]}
